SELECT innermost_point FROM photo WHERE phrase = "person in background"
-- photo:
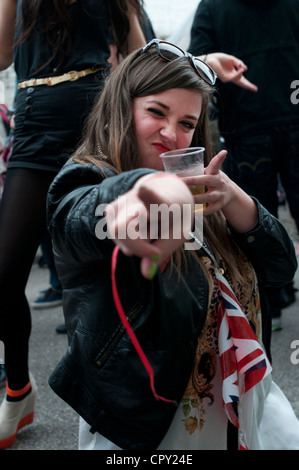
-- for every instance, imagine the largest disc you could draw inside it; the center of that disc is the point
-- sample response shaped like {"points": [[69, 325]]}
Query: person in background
{"points": [[259, 130], [4, 125], [2, 376], [6, 139], [155, 358], [52, 296], [115, 55], [60, 52], [4, 131]]}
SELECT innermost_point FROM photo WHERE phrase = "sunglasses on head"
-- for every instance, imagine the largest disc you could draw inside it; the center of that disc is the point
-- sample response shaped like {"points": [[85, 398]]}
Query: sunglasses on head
{"points": [[169, 52]]}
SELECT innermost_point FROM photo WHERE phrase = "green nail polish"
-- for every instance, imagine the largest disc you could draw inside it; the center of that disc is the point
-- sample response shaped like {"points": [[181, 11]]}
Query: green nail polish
{"points": [[152, 270], [155, 257]]}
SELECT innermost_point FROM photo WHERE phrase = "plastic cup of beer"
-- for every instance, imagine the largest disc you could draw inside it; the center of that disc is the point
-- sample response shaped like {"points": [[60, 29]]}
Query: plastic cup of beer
{"points": [[186, 162]]}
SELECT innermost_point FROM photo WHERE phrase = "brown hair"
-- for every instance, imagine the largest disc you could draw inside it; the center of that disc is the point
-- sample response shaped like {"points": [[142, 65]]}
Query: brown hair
{"points": [[111, 122], [110, 139]]}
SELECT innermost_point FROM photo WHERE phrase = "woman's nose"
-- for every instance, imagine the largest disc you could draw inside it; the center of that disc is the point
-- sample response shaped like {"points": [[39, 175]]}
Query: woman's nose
{"points": [[168, 132]]}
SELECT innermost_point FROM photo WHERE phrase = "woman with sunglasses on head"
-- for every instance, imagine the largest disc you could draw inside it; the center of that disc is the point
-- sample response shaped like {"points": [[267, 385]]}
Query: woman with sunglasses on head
{"points": [[60, 51], [146, 366]]}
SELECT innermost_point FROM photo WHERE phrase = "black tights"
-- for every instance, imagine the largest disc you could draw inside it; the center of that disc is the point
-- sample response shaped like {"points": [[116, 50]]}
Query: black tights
{"points": [[22, 223]]}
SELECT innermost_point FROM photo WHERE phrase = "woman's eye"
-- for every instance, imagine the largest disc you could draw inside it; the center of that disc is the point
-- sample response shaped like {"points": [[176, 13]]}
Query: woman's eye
{"points": [[155, 111], [188, 125]]}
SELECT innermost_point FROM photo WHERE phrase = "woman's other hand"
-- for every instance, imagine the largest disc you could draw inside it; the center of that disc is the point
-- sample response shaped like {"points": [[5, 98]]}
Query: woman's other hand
{"points": [[223, 194]]}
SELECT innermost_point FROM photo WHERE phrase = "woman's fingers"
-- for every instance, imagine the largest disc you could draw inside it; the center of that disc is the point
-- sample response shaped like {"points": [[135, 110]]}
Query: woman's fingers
{"points": [[215, 164], [152, 220]]}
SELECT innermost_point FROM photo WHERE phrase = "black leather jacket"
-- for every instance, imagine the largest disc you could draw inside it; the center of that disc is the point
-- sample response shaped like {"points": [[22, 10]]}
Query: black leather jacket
{"points": [[101, 375]]}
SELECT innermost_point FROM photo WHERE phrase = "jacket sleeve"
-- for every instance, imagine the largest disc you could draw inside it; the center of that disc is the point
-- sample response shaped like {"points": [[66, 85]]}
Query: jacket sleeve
{"points": [[202, 31], [269, 249], [76, 202]]}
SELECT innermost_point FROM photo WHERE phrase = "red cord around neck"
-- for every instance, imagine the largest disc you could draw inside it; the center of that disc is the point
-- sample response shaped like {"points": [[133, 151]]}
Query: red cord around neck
{"points": [[128, 328]]}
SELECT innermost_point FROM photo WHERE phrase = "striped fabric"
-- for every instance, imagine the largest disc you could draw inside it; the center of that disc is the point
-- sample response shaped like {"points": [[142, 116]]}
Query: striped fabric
{"points": [[243, 361]]}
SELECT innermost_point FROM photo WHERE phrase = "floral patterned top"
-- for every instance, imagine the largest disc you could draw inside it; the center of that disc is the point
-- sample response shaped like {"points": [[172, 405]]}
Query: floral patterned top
{"points": [[200, 421]]}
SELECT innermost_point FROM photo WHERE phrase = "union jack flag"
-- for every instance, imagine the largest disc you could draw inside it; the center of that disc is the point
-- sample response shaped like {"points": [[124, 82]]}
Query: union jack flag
{"points": [[242, 359]]}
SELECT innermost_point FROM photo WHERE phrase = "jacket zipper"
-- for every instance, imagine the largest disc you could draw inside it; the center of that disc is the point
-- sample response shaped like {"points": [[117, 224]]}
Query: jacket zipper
{"points": [[108, 349]]}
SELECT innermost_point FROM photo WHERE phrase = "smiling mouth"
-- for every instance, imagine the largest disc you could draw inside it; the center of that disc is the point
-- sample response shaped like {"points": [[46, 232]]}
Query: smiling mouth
{"points": [[161, 147]]}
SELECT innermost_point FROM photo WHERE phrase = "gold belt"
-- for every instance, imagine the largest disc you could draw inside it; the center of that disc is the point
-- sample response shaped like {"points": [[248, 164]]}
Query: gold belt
{"points": [[66, 77]]}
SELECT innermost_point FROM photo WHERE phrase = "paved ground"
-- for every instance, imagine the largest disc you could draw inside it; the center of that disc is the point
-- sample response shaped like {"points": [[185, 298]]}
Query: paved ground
{"points": [[56, 425], [286, 372]]}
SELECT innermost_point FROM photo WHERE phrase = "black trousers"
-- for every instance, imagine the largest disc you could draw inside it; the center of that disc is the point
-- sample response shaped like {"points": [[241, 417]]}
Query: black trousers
{"points": [[255, 161]]}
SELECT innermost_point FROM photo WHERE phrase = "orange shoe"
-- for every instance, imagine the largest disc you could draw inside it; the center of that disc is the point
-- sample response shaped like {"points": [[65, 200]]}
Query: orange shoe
{"points": [[15, 415]]}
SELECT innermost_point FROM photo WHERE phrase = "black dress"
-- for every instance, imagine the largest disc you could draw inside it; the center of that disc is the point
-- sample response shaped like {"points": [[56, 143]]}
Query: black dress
{"points": [[49, 120]]}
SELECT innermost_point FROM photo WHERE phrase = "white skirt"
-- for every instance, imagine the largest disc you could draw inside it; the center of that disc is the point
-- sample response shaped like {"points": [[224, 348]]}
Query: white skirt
{"points": [[267, 422], [268, 419]]}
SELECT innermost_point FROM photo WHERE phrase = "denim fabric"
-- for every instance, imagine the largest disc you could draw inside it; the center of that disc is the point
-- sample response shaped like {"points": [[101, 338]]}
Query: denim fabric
{"points": [[254, 162], [47, 251]]}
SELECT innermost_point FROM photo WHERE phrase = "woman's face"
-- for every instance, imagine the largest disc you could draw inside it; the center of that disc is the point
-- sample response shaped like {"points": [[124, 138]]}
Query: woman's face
{"points": [[165, 121]]}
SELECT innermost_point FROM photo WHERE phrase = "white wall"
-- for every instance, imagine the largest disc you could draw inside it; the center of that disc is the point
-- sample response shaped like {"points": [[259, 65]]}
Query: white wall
{"points": [[168, 15]]}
